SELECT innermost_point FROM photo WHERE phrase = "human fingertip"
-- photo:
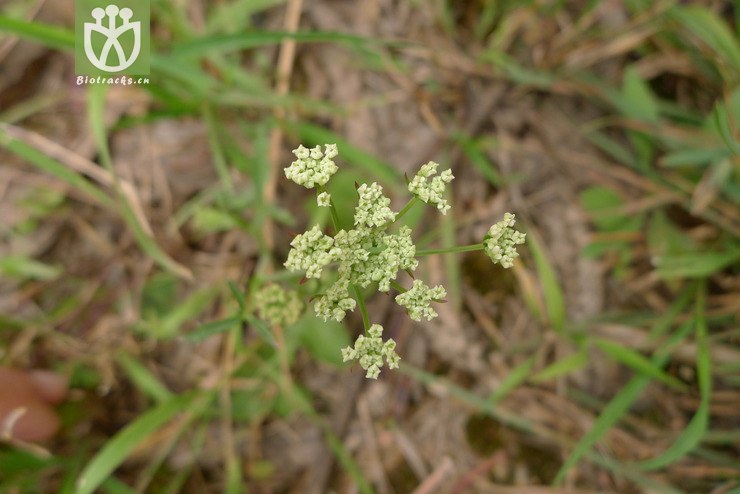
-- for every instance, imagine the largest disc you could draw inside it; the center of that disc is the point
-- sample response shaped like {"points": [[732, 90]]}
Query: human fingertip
{"points": [[52, 387]]}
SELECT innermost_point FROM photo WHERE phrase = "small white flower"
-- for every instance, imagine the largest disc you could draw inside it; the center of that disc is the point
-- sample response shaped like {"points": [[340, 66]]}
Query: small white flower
{"points": [[330, 151], [501, 241], [370, 351], [324, 200], [312, 166], [373, 371], [431, 191], [418, 298]]}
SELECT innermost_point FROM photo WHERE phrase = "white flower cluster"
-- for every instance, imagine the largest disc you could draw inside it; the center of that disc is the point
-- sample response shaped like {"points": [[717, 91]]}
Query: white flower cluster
{"points": [[370, 254], [335, 303], [312, 166], [323, 200], [370, 350], [418, 298], [277, 306], [431, 191], [501, 241], [372, 208], [365, 256], [376, 257], [311, 252]]}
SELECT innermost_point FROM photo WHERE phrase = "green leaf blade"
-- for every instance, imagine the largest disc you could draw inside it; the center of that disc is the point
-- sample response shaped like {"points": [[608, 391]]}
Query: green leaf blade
{"points": [[116, 450]]}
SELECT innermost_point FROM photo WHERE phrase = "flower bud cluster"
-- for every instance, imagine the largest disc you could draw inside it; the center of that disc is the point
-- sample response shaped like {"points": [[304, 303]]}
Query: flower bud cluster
{"points": [[277, 306], [370, 350], [372, 208], [311, 252], [417, 300], [312, 166], [501, 241], [431, 191], [376, 257], [365, 256], [335, 303]]}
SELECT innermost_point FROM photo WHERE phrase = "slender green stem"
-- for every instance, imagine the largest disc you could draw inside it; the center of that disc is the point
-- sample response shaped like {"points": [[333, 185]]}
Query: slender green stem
{"points": [[406, 208], [363, 307], [446, 250], [334, 215], [332, 209], [398, 287]]}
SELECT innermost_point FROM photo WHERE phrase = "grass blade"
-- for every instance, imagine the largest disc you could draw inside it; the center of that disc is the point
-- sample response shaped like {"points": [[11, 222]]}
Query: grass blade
{"points": [[694, 157], [46, 34], [712, 31], [513, 379], [115, 486], [143, 378], [261, 328], [617, 407], [345, 459], [517, 422], [638, 363], [473, 150], [242, 41], [723, 125], [637, 101], [562, 367], [24, 267], [238, 295], [554, 300], [695, 264], [49, 165], [697, 428], [219, 156], [122, 444], [211, 328], [96, 110], [612, 413], [518, 73]]}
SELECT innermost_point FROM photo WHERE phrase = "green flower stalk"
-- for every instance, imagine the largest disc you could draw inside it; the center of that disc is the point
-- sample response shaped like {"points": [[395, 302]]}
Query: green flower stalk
{"points": [[372, 253]]}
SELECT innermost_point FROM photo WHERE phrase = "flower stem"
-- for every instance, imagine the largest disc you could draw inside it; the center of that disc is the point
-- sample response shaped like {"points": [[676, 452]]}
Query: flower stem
{"points": [[405, 209], [332, 209], [334, 215], [363, 308], [446, 250], [397, 286]]}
